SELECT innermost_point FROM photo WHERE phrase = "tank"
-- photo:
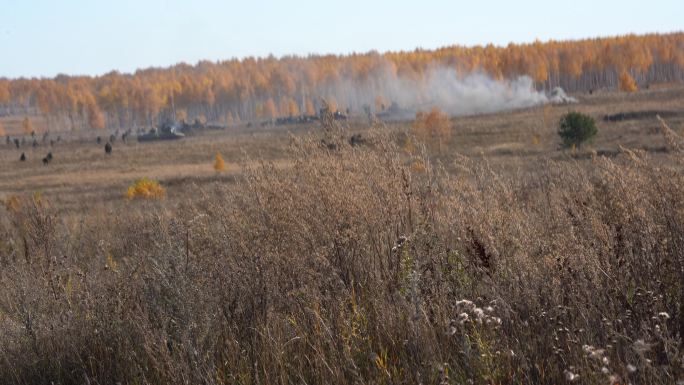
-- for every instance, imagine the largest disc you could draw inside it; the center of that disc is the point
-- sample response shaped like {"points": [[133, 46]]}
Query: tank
{"points": [[395, 113], [167, 131]]}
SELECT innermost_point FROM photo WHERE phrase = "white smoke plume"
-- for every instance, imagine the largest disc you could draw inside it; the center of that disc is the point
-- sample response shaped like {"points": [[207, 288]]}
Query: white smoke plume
{"points": [[478, 93], [440, 87]]}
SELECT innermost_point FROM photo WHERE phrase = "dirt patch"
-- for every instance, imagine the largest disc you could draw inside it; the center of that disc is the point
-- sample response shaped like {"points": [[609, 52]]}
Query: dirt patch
{"points": [[641, 115]]}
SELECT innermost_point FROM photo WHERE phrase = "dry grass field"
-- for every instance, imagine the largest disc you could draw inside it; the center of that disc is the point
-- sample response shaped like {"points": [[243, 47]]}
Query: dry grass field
{"points": [[499, 259], [81, 174]]}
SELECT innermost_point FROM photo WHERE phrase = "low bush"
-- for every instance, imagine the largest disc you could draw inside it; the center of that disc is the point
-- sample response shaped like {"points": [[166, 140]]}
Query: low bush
{"points": [[576, 128], [145, 188]]}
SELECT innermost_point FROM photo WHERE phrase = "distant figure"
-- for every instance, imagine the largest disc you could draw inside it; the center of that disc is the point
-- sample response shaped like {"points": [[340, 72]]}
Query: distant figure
{"points": [[124, 137], [49, 156], [46, 161], [108, 148], [35, 143], [59, 138], [99, 140], [112, 138], [16, 142], [356, 140], [22, 158], [52, 142]]}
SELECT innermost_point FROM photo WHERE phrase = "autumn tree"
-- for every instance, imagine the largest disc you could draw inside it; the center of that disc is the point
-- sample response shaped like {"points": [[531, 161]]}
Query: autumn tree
{"points": [[27, 126], [96, 119], [627, 82], [433, 126], [270, 109], [292, 108], [309, 107], [219, 163]]}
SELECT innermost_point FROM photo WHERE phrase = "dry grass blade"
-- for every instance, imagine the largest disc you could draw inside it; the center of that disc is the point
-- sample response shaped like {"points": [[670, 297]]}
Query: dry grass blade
{"points": [[674, 142]]}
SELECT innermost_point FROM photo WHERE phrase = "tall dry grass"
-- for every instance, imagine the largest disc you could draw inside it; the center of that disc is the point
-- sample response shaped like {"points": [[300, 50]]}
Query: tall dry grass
{"points": [[355, 267]]}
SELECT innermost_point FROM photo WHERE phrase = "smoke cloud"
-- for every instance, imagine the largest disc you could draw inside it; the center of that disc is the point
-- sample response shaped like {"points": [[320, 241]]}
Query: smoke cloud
{"points": [[440, 87]]}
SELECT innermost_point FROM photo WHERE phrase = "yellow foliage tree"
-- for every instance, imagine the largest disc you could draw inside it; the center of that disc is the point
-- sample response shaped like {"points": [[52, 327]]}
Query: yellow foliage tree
{"points": [[309, 107], [219, 163], [433, 126], [627, 82], [270, 109], [27, 126], [292, 108], [96, 119]]}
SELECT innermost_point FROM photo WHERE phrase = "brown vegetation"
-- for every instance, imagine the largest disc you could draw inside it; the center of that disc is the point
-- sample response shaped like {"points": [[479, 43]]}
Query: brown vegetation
{"points": [[362, 264], [351, 268], [433, 127]]}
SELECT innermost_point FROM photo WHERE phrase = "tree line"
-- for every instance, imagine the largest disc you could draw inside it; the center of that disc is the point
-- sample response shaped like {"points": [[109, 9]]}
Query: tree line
{"points": [[265, 88]]}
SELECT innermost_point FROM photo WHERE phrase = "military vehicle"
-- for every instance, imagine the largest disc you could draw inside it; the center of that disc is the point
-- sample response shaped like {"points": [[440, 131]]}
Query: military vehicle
{"points": [[170, 130], [196, 127], [301, 119], [395, 113]]}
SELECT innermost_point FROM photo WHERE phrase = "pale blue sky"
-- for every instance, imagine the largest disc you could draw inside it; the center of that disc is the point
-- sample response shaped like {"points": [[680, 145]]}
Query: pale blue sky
{"points": [[47, 37]]}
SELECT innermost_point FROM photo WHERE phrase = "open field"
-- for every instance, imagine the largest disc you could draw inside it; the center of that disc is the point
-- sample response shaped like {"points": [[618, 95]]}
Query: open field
{"points": [[82, 174], [498, 259]]}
